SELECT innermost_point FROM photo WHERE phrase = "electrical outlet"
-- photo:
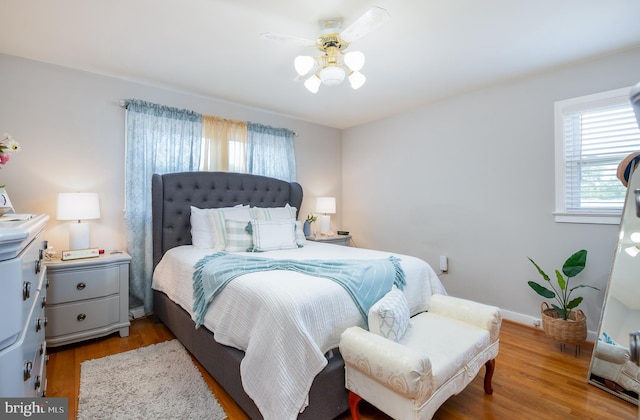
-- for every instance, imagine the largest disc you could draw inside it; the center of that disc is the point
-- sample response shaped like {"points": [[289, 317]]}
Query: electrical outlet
{"points": [[536, 323], [444, 263]]}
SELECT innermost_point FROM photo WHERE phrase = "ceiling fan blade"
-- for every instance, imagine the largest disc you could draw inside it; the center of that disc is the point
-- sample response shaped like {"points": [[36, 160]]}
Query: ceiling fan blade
{"points": [[288, 38], [372, 19]]}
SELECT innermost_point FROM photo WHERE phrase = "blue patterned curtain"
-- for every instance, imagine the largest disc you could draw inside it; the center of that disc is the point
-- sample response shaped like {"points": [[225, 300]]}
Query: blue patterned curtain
{"points": [[160, 140], [270, 152]]}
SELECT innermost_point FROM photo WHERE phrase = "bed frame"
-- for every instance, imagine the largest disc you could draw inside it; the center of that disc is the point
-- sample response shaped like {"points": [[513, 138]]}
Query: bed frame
{"points": [[172, 196]]}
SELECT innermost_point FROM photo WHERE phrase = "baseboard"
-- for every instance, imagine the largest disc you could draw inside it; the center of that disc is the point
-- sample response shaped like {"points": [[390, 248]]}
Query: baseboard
{"points": [[536, 322]]}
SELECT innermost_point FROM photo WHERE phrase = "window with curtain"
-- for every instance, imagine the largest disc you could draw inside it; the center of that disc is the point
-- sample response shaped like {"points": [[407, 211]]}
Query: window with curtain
{"points": [[270, 152], [593, 135], [159, 139], [224, 145]]}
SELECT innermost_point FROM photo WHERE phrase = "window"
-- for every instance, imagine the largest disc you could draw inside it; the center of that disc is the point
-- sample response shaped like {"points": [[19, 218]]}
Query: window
{"points": [[593, 134]]}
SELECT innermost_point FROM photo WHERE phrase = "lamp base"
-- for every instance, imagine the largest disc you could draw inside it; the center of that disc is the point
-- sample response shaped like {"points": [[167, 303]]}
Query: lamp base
{"points": [[325, 223], [79, 236]]}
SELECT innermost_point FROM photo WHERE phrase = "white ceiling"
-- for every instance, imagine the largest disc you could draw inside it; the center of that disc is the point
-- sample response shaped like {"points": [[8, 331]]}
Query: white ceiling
{"points": [[429, 49]]}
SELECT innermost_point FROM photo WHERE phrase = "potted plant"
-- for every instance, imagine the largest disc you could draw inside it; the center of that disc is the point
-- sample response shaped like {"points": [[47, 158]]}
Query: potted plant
{"points": [[306, 228], [560, 321]]}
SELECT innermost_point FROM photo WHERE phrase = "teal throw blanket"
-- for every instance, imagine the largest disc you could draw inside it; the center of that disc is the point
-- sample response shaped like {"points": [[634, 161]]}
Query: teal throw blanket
{"points": [[366, 281]]}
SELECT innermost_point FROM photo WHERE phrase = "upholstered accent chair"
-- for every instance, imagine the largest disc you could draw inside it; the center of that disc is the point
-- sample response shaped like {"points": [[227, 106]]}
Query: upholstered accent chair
{"points": [[408, 367], [612, 362]]}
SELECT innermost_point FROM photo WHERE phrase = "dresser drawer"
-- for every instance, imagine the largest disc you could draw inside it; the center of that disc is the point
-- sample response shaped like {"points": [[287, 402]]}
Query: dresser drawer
{"points": [[80, 316], [74, 285]]}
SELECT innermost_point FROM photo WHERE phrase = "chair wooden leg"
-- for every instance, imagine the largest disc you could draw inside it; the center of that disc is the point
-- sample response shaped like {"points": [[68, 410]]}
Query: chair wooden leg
{"points": [[354, 399], [488, 376]]}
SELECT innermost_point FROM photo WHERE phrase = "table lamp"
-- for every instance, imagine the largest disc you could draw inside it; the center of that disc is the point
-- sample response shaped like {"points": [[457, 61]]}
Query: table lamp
{"points": [[78, 206], [326, 206]]}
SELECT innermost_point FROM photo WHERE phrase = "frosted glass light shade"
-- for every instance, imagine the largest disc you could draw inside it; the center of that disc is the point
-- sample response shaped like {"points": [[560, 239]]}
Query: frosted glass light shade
{"points": [[332, 76], [326, 205], [312, 84], [303, 64], [357, 79], [355, 60]]}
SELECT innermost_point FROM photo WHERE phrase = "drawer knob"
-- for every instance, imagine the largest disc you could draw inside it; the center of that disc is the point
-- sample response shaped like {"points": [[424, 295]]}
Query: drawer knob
{"points": [[28, 367], [81, 286], [82, 317], [38, 266], [41, 323], [44, 301], [26, 290], [36, 383]]}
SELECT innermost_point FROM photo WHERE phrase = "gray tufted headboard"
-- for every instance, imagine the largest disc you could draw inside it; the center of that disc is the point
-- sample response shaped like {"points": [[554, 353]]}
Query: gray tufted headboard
{"points": [[172, 196]]}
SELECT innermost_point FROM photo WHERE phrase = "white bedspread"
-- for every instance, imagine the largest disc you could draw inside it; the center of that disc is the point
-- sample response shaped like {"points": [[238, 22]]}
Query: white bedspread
{"points": [[283, 320]]}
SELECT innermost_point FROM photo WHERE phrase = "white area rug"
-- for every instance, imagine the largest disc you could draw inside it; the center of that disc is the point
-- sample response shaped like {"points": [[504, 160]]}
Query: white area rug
{"points": [[154, 382]]}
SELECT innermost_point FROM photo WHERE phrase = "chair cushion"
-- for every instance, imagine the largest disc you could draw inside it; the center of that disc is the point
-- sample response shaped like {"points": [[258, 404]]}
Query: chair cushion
{"points": [[456, 345], [389, 317]]}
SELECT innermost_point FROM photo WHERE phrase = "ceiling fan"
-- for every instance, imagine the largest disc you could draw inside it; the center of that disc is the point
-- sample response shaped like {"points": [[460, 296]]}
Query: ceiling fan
{"points": [[333, 65]]}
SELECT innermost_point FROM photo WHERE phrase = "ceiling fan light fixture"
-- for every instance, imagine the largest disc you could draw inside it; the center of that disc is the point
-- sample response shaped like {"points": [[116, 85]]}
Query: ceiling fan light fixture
{"points": [[354, 60], [332, 75], [303, 64], [312, 84], [357, 79]]}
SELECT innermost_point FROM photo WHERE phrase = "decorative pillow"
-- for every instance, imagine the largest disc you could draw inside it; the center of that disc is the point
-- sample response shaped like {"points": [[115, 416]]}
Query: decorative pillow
{"points": [[269, 235], [273, 213], [237, 238], [300, 238], [202, 233], [389, 317], [217, 219]]}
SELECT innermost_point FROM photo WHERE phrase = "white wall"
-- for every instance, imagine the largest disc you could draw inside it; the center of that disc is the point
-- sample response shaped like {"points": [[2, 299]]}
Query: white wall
{"points": [[71, 129], [472, 177]]}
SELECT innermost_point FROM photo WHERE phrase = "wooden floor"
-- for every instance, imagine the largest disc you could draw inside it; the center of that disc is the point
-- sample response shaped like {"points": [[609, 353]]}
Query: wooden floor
{"points": [[533, 379]]}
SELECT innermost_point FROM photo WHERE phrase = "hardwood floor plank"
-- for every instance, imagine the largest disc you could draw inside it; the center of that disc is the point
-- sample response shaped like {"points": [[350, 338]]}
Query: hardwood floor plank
{"points": [[533, 379]]}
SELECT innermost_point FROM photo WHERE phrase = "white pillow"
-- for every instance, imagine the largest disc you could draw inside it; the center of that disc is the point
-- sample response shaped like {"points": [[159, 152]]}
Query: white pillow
{"points": [[203, 235], [300, 238], [273, 213], [217, 219], [389, 317], [269, 235], [237, 237]]}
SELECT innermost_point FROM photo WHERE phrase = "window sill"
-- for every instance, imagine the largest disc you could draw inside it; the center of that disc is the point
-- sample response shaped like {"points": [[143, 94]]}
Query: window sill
{"points": [[588, 218]]}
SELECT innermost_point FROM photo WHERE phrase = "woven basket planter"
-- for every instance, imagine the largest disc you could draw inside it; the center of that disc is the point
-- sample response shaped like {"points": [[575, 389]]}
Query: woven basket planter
{"points": [[571, 331]]}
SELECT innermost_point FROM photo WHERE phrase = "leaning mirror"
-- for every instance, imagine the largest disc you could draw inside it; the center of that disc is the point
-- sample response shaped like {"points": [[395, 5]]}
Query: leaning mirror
{"points": [[612, 367]]}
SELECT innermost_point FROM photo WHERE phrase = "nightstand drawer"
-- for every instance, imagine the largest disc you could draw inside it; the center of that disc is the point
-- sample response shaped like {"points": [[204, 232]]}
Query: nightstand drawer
{"points": [[80, 316], [83, 284]]}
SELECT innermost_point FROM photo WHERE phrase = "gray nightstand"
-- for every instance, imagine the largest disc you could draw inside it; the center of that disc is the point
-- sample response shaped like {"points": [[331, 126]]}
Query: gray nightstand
{"points": [[87, 298], [344, 240]]}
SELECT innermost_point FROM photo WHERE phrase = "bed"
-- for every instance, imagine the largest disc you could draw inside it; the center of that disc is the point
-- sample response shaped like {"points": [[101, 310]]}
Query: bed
{"points": [[309, 375]]}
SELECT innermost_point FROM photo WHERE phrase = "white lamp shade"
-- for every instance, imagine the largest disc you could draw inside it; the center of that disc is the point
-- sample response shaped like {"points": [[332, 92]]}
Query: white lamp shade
{"points": [[303, 64], [332, 76], [355, 60], [357, 79], [326, 205], [78, 206], [312, 84]]}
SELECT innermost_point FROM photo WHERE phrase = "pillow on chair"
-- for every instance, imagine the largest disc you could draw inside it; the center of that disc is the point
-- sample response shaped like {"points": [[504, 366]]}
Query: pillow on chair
{"points": [[389, 317]]}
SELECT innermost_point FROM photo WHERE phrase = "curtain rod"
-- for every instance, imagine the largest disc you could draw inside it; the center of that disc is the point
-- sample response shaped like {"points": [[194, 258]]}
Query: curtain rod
{"points": [[124, 103]]}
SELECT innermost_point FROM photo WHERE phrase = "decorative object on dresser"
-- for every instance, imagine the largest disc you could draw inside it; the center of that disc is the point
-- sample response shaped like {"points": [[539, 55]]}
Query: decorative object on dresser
{"points": [[560, 322], [152, 382], [8, 145], [88, 298], [78, 206], [344, 240], [23, 291]]}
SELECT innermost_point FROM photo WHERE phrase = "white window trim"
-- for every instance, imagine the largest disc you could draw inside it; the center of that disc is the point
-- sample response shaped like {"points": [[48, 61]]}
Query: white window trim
{"points": [[576, 104]]}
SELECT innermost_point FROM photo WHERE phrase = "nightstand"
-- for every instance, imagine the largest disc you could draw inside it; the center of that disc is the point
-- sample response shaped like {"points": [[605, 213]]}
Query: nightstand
{"points": [[344, 240], [87, 298]]}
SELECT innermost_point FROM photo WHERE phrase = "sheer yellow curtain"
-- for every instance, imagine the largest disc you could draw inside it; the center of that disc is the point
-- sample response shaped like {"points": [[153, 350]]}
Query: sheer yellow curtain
{"points": [[224, 144]]}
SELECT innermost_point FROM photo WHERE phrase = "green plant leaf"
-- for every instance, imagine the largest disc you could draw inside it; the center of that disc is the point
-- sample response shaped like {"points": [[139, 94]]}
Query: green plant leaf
{"points": [[583, 285], [561, 311], [575, 263], [561, 281], [542, 273], [574, 303], [541, 290]]}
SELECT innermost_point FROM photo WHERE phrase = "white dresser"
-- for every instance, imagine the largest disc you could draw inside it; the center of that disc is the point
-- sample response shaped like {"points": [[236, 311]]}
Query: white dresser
{"points": [[23, 290]]}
